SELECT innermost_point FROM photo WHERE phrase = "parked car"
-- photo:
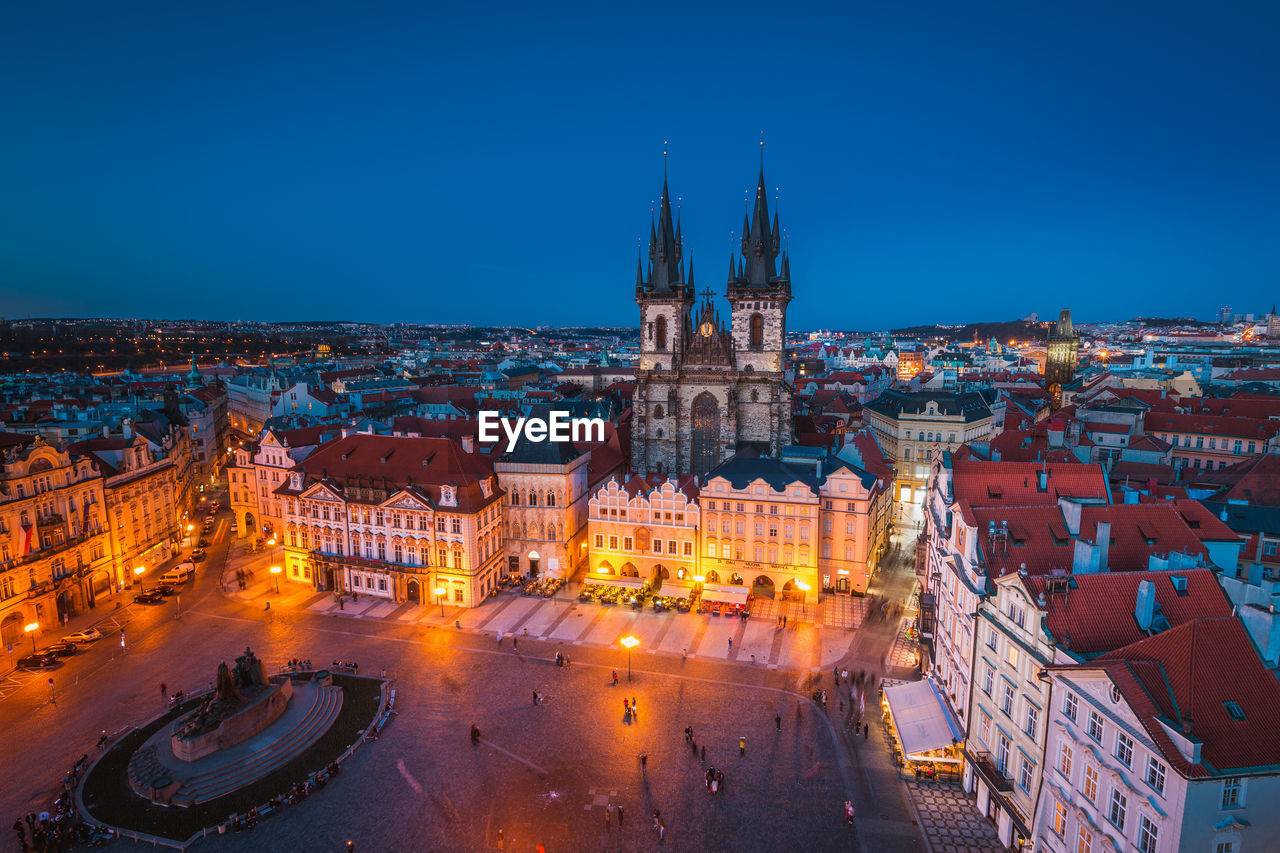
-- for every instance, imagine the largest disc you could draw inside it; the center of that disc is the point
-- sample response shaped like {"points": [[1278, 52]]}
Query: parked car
{"points": [[148, 598], [62, 650], [40, 660], [88, 635], [198, 555], [166, 589], [203, 543]]}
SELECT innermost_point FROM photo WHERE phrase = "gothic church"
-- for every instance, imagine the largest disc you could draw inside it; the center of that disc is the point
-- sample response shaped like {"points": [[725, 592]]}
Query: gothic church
{"points": [[705, 390]]}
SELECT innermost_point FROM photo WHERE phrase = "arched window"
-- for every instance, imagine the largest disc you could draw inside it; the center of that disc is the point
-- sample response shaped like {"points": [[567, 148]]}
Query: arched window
{"points": [[757, 330], [658, 414], [662, 333], [533, 498], [551, 498], [515, 498]]}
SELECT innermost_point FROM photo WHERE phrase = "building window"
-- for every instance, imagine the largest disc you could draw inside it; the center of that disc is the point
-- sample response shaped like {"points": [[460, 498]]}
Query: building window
{"points": [[1147, 835], [688, 549], [1231, 790], [988, 680], [1116, 811], [984, 727], [1124, 749], [1070, 706], [1084, 841], [626, 543], [1059, 818], [991, 639], [1033, 718], [1006, 705], [1002, 755], [1065, 756], [1095, 726], [661, 336], [1091, 783], [1024, 776], [599, 540], [757, 331], [613, 543]]}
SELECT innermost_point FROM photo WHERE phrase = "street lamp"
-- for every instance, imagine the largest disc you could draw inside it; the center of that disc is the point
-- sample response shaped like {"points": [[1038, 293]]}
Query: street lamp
{"points": [[138, 571], [440, 592], [31, 629], [803, 587], [275, 570], [630, 643]]}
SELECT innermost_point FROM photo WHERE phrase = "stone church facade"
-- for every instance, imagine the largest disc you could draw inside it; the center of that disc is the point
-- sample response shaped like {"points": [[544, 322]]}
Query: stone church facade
{"points": [[706, 389]]}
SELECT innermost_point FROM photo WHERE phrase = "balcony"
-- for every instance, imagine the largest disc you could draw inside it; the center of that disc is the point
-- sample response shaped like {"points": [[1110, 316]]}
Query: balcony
{"points": [[991, 772]]}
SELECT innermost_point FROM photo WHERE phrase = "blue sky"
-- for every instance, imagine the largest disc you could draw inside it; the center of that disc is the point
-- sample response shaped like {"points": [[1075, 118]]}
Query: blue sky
{"points": [[935, 162]]}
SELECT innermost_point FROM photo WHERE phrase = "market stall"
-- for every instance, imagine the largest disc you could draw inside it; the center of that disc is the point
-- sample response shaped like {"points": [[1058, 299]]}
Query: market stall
{"points": [[926, 735]]}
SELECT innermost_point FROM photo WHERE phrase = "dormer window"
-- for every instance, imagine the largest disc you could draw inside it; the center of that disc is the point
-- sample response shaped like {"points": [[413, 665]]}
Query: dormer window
{"points": [[295, 481], [448, 495]]}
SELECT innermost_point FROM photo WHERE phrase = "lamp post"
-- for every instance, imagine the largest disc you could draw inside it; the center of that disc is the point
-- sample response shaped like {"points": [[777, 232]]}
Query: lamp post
{"points": [[630, 643], [440, 593], [138, 572], [31, 629], [803, 587], [275, 570]]}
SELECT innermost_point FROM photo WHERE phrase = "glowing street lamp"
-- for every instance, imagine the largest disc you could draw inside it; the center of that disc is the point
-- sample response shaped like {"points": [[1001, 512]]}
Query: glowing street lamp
{"points": [[630, 643], [31, 629], [440, 592], [138, 572], [803, 587], [275, 570]]}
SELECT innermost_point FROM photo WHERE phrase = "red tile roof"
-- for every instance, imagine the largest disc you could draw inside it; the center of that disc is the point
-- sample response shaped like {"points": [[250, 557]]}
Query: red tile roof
{"points": [[1195, 669], [1096, 613], [1255, 481], [1258, 429], [984, 483]]}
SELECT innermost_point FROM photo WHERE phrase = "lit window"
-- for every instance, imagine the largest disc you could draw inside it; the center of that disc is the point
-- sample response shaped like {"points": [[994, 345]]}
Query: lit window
{"points": [[1091, 783], [1065, 755], [1059, 818]]}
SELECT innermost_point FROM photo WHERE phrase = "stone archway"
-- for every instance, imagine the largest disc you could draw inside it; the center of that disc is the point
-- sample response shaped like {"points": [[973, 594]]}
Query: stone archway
{"points": [[735, 579], [11, 629], [249, 524], [413, 591], [660, 572], [535, 559], [762, 587], [629, 570], [713, 576], [606, 568]]}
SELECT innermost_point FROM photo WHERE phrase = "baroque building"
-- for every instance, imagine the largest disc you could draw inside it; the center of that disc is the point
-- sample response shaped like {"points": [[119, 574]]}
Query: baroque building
{"points": [[1063, 352], [706, 389]]}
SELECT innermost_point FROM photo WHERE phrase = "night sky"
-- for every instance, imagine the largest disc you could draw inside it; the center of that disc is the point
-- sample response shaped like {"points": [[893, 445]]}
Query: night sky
{"points": [[935, 162]]}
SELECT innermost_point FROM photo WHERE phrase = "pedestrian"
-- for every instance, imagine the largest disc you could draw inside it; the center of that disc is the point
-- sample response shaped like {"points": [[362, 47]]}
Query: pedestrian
{"points": [[731, 644], [836, 674], [777, 721], [515, 643], [626, 705], [535, 697], [704, 752], [526, 632], [865, 729], [615, 678], [742, 746], [634, 706], [619, 818], [644, 761], [784, 621], [164, 691], [688, 733], [608, 815], [499, 637], [720, 781]]}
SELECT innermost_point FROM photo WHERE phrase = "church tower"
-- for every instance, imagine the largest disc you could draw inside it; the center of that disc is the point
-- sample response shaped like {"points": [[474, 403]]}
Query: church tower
{"points": [[704, 389], [1063, 353]]}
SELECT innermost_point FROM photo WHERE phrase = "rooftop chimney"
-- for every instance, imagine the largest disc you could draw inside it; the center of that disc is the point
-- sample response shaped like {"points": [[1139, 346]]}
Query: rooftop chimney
{"points": [[468, 444], [1145, 608], [1103, 541], [1070, 515]]}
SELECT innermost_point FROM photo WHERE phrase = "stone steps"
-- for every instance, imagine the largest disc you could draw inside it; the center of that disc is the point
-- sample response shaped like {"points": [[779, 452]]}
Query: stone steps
{"points": [[217, 783]]}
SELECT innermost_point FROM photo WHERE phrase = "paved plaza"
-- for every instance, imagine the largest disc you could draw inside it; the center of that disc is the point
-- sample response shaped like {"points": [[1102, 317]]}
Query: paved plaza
{"points": [[543, 773]]}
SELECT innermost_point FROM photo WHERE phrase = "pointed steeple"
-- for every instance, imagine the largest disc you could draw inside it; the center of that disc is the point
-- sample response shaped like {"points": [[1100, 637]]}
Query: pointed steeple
{"points": [[760, 248], [776, 233], [786, 266], [639, 269], [664, 250], [733, 274], [746, 230], [691, 285]]}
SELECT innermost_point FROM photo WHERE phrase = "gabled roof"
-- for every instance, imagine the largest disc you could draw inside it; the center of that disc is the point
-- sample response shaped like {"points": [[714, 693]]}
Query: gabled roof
{"points": [[1195, 669], [984, 483], [1095, 614]]}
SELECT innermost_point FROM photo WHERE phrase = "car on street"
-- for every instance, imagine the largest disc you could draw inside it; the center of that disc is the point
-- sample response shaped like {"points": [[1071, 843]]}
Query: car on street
{"points": [[203, 543], [88, 635], [166, 589], [40, 660], [148, 598], [198, 555], [62, 650], [215, 506]]}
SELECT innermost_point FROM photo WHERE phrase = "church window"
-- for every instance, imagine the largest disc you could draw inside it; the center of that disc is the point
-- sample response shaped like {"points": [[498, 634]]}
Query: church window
{"points": [[658, 413], [704, 449], [659, 432], [662, 333], [533, 498], [757, 331], [551, 498]]}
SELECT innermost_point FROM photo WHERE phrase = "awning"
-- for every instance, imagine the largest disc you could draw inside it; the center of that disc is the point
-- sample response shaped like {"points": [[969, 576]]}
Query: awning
{"points": [[624, 583], [680, 589], [922, 718], [724, 592]]}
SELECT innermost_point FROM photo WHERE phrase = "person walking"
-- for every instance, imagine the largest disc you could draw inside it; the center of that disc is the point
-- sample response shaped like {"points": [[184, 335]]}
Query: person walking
{"points": [[615, 678], [777, 721], [704, 753], [608, 816], [865, 730], [742, 746], [499, 637], [731, 644], [535, 697], [164, 691], [635, 708], [619, 818], [515, 642]]}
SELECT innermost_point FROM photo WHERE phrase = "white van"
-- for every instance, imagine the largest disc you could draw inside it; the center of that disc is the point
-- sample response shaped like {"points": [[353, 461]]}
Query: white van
{"points": [[180, 574]]}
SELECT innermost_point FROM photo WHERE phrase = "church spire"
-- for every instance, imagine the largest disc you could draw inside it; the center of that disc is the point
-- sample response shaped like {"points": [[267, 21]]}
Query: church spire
{"points": [[760, 247], [664, 247], [691, 272], [639, 269], [733, 274]]}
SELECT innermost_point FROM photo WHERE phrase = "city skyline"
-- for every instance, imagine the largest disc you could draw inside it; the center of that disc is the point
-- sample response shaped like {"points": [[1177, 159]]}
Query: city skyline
{"points": [[502, 172]]}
